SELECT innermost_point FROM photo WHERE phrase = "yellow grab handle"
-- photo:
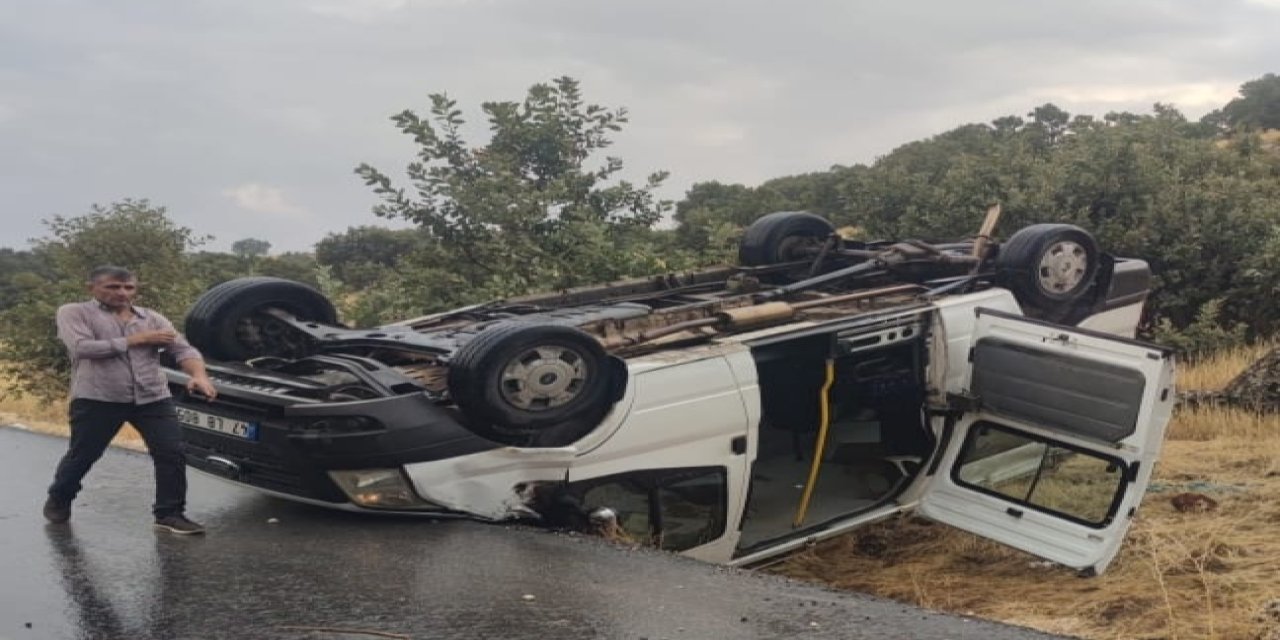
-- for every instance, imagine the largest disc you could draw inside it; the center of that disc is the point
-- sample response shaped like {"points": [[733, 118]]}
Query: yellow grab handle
{"points": [[824, 422]]}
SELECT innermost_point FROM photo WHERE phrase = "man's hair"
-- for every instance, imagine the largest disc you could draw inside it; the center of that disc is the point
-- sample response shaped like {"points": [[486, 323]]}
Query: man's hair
{"points": [[111, 272]]}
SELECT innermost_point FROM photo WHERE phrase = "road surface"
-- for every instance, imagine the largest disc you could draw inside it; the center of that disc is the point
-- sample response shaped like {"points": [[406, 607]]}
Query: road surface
{"points": [[324, 575]]}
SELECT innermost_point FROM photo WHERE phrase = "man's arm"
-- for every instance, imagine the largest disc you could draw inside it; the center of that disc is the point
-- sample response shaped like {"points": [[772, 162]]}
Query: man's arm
{"points": [[199, 382], [189, 359], [75, 332]]}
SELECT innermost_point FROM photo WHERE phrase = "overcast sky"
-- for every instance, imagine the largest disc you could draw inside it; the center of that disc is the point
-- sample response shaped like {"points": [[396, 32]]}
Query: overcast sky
{"points": [[245, 118]]}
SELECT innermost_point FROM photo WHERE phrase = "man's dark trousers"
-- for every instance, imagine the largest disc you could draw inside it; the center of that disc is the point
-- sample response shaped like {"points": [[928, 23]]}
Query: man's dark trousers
{"points": [[94, 423]]}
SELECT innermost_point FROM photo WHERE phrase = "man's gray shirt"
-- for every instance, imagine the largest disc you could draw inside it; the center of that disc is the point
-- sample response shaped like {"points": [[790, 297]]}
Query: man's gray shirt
{"points": [[103, 366]]}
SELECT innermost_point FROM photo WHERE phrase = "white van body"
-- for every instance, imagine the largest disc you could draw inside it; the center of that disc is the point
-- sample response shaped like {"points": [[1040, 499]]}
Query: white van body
{"points": [[730, 414], [685, 409]]}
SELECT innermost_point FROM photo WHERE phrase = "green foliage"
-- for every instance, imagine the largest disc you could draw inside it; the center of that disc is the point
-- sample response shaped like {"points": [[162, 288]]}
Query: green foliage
{"points": [[712, 215], [250, 248], [292, 265], [1207, 334], [1258, 106], [132, 234], [524, 211], [212, 267], [364, 256], [1202, 210], [32, 358], [208, 268], [399, 295], [17, 270]]}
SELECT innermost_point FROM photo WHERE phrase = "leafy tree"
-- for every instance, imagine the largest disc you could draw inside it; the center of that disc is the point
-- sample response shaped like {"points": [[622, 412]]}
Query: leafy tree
{"points": [[133, 234], [1207, 334], [1048, 124], [212, 267], [293, 265], [526, 210], [712, 214], [817, 192], [1258, 106], [1005, 126], [130, 233], [361, 256], [17, 269], [250, 248]]}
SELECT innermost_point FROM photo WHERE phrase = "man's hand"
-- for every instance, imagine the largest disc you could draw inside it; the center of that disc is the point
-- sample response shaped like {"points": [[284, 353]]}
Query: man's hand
{"points": [[157, 337], [201, 385]]}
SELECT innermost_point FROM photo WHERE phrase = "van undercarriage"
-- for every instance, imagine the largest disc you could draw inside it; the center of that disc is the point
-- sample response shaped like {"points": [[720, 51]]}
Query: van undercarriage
{"points": [[730, 414]]}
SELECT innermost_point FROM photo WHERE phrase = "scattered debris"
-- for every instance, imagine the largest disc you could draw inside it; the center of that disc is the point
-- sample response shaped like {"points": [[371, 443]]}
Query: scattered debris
{"points": [[1257, 388], [1193, 503]]}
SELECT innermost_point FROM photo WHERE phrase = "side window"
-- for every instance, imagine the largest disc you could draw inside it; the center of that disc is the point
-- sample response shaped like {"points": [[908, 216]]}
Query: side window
{"points": [[1050, 476], [674, 509], [629, 500], [692, 511]]}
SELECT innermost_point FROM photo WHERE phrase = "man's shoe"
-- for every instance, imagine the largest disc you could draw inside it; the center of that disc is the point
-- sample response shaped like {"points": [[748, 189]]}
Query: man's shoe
{"points": [[57, 511], [179, 525]]}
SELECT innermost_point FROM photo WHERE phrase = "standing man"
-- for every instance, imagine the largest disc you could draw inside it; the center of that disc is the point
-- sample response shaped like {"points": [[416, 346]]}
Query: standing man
{"points": [[116, 377]]}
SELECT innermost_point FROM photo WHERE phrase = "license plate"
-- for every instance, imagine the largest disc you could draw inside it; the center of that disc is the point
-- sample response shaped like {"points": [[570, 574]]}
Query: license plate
{"points": [[237, 428]]}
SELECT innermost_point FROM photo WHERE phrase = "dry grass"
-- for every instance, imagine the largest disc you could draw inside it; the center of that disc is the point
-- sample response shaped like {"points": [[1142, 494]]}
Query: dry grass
{"points": [[49, 417], [1181, 575], [1215, 371]]}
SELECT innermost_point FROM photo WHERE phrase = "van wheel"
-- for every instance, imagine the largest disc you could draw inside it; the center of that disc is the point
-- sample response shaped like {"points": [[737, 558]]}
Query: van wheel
{"points": [[783, 236], [518, 382], [230, 320], [1048, 266]]}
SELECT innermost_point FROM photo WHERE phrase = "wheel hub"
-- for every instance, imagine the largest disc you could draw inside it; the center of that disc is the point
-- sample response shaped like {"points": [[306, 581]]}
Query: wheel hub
{"points": [[798, 247], [1063, 267], [544, 378]]}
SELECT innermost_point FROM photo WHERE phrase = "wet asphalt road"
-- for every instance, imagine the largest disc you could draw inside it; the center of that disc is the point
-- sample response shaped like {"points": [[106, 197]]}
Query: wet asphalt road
{"points": [[107, 575]]}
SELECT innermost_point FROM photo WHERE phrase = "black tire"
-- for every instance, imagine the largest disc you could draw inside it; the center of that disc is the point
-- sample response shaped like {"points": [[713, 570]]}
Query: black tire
{"points": [[1048, 266], [783, 236], [227, 321], [490, 379]]}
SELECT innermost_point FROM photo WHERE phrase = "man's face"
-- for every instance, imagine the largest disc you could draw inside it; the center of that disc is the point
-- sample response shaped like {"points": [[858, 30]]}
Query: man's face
{"points": [[114, 293]]}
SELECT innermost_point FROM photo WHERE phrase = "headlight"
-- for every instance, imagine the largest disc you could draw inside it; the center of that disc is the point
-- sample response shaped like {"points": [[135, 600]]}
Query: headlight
{"points": [[380, 489]]}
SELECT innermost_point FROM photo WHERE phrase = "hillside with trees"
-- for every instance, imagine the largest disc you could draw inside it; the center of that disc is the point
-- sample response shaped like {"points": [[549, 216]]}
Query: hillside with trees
{"points": [[1199, 200], [539, 206]]}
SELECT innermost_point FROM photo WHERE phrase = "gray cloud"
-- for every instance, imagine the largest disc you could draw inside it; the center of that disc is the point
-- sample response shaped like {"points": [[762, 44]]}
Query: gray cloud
{"points": [[246, 118]]}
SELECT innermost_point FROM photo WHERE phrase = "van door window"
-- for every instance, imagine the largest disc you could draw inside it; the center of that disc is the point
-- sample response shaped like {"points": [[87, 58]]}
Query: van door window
{"points": [[1081, 485], [630, 504], [692, 511], [674, 509]]}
